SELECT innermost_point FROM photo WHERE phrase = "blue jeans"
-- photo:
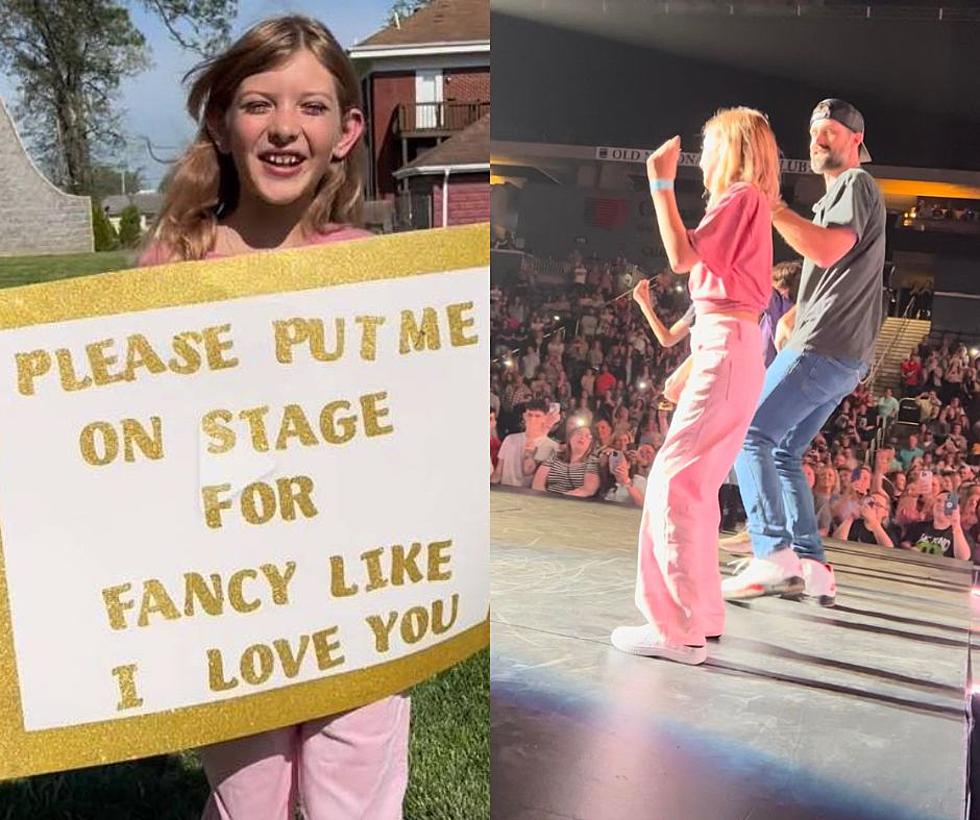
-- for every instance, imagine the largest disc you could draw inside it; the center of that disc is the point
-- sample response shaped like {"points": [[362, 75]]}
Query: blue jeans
{"points": [[801, 390]]}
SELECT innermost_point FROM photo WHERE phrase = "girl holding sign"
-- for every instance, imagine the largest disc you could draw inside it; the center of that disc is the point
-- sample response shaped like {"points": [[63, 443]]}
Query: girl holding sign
{"points": [[277, 164], [729, 256]]}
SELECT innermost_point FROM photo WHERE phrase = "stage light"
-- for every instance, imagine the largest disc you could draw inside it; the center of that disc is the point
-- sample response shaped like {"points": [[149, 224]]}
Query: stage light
{"points": [[557, 318]]}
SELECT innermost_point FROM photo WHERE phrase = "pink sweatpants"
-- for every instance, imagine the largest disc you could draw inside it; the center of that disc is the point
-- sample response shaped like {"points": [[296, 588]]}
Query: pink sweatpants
{"points": [[678, 585], [351, 766]]}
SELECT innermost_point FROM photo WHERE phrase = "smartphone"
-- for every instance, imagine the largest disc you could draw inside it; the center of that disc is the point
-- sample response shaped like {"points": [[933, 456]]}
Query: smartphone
{"points": [[952, 502], [925, 480], [554, 408], [615, 459]]}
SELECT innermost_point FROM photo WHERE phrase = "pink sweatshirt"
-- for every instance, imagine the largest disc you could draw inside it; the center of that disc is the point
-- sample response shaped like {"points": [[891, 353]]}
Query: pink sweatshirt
{"points": [[154, 254], [734, 241]]}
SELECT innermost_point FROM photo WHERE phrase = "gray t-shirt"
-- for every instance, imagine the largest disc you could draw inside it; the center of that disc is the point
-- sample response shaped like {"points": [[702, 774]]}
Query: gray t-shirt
{"points": [[839, 310]]}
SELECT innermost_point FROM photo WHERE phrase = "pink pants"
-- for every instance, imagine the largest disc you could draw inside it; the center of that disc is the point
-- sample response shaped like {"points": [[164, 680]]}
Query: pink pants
{"points": [[678, 585], [350, 766]]}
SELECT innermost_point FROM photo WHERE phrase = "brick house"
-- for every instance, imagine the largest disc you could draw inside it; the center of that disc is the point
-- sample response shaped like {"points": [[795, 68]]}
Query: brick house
{"points": [[425, 79], [451, 182]]}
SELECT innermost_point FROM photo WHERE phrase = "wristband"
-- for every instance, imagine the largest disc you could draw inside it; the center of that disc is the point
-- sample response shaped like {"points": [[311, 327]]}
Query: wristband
{"points": [[661, 185]]}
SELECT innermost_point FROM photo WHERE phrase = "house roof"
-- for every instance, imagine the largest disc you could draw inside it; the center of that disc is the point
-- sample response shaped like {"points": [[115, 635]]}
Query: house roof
{"points": [[148, 202], [440, 22], [467, 150]]}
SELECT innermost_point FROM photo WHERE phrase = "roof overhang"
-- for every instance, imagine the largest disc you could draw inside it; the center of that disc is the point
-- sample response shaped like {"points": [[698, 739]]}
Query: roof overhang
{"points": [[418, 50], [453, 168]]}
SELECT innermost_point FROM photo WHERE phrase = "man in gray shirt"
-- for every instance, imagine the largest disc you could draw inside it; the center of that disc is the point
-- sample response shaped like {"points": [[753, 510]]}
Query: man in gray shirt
{"points": [[835, 322]]}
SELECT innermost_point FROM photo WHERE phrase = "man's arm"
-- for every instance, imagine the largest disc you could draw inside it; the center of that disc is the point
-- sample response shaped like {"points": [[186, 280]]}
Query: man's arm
{"points": [[528, 462], [961, 547], [822, 245], [844, 530], [880, 533], [784, 328], [540, 481]]}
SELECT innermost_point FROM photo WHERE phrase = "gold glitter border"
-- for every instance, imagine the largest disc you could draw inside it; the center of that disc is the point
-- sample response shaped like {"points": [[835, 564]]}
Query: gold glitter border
{"points": [[394, 256], [25, 753]]}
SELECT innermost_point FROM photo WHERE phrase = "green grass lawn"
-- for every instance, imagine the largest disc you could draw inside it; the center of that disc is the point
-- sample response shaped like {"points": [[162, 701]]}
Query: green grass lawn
{"points": [[26, 270], [450, 751], [449, 767]]}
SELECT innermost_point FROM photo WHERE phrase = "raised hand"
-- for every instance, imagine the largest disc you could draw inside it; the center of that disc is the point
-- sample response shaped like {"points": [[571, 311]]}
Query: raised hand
{"points": [[662, 163]]}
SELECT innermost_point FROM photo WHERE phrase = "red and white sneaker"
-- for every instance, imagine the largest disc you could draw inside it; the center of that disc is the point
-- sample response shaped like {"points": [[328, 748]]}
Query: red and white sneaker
{"points": [[819, 582], [779, 574]]}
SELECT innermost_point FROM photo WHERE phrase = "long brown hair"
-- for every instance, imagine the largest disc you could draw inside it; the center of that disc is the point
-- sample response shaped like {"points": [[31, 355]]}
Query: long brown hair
{"points": [[203, 184]]}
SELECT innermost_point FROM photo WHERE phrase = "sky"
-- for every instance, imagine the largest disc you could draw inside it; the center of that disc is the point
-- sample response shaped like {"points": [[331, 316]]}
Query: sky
{"points": [[153, 101]]}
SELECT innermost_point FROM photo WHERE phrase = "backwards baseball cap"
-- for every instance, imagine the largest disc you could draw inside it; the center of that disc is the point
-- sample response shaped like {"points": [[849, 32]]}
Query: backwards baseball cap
{"points": [[847, 115]]}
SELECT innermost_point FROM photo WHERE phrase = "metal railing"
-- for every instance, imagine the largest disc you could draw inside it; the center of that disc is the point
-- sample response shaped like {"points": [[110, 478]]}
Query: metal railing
{"points": [[439, 116]]}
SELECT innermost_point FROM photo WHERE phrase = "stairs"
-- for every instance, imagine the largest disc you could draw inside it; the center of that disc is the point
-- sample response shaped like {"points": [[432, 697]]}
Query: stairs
{"points": [[897, 337]]}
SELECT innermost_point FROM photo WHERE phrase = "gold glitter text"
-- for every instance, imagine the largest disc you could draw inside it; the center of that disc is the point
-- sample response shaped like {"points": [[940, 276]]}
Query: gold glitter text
{"points": [[259, 661], [207, 595], [397, 565], [414, 624], [335, 425], [259, 502], [192, 349], [99, 441]]}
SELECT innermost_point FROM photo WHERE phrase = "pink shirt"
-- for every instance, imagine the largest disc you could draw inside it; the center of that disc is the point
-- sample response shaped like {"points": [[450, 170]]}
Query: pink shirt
{"points": [[734, 241], [154, 254]]}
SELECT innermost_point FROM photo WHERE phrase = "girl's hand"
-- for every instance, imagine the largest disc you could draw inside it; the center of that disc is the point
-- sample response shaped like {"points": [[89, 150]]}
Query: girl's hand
{"points": [[662, 163], [673, 387], [641, 293]]}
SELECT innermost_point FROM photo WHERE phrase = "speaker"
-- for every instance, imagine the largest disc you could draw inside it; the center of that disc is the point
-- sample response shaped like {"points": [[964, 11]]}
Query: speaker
{"points": [[909, 412]]}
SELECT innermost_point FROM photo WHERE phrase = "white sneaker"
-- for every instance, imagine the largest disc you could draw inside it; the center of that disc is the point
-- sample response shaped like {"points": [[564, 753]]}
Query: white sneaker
{"points": [[819, 582], [644, 640], [780, 574]]}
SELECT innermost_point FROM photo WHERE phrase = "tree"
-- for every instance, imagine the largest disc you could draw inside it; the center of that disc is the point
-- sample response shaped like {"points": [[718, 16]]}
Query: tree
{"points": [[107, 180], [401, 9], [69, 57], [129, 227], [105, 235]]}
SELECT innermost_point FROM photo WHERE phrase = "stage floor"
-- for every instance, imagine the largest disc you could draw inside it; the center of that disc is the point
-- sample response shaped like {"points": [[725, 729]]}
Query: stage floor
{"points": [[800, 712]]}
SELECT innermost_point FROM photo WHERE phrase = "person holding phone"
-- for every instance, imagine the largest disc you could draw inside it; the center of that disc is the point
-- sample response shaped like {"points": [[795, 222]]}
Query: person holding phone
{"points": [[627, 470], [943, 535], [870, 525], [521, 454]]}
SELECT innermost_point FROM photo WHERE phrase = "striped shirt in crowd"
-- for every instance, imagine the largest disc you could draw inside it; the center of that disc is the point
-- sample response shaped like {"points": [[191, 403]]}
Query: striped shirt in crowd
{"points": [[564, 477]]}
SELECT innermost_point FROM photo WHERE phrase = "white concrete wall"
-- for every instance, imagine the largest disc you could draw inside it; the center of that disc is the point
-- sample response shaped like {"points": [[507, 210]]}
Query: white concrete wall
{"points": [[36, 217]]}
